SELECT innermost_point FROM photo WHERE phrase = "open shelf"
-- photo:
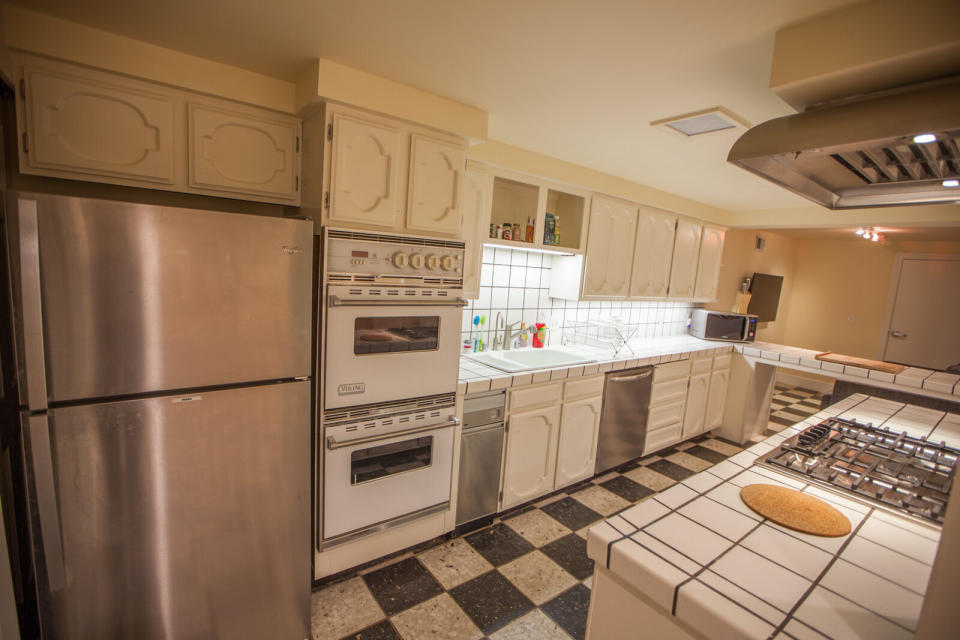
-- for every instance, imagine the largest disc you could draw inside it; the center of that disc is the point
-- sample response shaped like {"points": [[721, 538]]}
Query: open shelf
{"points": [[567, 210], [514, 203]]}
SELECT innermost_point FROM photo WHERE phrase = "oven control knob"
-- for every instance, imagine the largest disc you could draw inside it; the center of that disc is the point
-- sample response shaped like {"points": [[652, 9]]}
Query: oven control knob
{"points": [[417, 260], [448, 263], [433, 262], [400, 259]]}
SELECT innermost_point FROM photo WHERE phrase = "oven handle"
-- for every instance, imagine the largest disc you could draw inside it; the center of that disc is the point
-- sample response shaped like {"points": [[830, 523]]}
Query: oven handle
{"points": [[337, 301], [332, 442]]}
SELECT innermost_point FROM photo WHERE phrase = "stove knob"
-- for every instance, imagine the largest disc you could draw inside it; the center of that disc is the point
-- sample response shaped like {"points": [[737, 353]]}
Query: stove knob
{"points": [[448, 263], [417, 260], [433, 262], [400, 259]]}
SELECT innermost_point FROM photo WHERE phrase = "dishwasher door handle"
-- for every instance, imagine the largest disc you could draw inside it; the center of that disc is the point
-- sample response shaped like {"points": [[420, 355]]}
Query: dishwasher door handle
{"points": [[639, 376]]}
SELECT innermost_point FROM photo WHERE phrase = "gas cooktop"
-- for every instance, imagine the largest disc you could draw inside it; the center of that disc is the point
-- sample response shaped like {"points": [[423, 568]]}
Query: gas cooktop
{"points": [[907, 474]]}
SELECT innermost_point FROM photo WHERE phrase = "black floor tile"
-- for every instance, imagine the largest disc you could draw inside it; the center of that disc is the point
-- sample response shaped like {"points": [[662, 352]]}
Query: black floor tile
{"points": [[784, 421], [706, 453], [571, 513], [627, 488], [383, 630], [809, 391], [491, 601], [793, 394], [570, 552], [499, 544], [671, 469], [569, 610], [663, 453], [517, 512], [577, 488], [402, 585]]}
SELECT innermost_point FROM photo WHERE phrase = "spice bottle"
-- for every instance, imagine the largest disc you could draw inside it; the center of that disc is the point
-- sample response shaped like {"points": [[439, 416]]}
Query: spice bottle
{"points": [[507, 231], [529, 236]]}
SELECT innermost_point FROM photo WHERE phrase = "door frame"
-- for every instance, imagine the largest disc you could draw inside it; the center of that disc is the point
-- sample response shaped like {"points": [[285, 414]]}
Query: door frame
{"points": [[894, 285]]}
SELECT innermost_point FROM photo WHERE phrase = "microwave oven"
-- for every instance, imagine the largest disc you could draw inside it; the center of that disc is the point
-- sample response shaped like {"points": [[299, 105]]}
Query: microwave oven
{"points": [[720, 325]]}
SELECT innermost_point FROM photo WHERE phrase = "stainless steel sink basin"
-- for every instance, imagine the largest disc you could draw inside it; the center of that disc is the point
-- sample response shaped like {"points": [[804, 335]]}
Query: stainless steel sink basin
{"points": [[526, 359]]}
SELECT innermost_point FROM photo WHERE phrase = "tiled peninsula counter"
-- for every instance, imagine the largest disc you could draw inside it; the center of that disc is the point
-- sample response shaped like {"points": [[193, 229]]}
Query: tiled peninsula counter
{"points": [[696, 562]]}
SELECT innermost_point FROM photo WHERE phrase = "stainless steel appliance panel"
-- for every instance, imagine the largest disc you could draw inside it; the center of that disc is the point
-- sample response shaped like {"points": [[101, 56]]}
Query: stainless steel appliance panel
{"points": [[623, 418], [139, 298], [481, 454], [174, 517]]}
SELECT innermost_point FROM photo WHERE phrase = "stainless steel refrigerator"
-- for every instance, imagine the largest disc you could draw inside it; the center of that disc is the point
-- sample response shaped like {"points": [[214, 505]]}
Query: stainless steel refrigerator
{"points": [[164, 362]]}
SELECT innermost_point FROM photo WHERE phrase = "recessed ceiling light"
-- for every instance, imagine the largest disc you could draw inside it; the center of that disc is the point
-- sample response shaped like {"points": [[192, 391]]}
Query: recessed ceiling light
{"points": [[924, 138], [699, 123], [860, 232], [951, 183]]}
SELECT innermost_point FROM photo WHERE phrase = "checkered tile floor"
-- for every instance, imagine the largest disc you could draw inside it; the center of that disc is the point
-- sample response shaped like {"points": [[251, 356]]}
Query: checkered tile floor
{"points": [[790, 405]]}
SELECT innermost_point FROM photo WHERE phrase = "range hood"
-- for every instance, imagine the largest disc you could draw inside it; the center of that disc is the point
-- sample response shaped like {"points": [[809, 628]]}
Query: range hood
{"points": [[862, 153]]}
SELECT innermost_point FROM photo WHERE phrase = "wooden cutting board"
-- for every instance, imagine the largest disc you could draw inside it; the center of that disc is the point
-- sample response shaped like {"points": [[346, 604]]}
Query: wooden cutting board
{"points": [[795, 510], [853, 361]]}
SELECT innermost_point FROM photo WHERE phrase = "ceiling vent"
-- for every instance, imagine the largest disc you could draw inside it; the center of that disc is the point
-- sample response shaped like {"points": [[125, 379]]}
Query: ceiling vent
{"points": [[700, 123]]}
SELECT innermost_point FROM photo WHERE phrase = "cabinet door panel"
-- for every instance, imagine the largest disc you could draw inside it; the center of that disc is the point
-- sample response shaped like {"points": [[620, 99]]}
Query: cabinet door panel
{"points": [[598, 247], [363, 180], [577, 449], [531, 456], [711, 251], [609, 255], [695, 412], [653, 253], [476, 225], [686, 250], [81, 125], [716, 399], [436, 173], [242, 153]]}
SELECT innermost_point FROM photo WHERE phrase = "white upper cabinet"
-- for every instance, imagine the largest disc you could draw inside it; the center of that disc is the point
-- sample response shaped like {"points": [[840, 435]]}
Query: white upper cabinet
{"points": [[475, 209], [609, 254], [77, 124], [231, 151], [711, 251], [363, 179], [686, 250], [652, 254], [436, 173]]}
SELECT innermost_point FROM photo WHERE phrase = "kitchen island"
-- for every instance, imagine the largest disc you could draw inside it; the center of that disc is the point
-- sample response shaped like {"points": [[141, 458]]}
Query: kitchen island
{"points": [[695, 562]]}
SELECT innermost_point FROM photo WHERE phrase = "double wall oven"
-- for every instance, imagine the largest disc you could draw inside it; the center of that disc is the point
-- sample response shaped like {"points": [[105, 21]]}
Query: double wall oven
{"points": [[391, 310]]}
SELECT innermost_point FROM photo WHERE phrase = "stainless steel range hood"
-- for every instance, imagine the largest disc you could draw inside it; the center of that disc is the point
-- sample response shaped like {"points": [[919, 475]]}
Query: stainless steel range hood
{"points": [[862, 153]]}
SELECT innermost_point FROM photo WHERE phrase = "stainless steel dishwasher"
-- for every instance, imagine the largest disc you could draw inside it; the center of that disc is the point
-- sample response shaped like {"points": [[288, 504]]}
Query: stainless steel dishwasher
{"points": [[481, 451], [623, 418]]}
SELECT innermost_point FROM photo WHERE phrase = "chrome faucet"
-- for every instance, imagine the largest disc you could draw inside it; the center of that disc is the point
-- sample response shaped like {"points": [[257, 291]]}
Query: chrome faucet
{"points": [[509, 334], [497, 326]]}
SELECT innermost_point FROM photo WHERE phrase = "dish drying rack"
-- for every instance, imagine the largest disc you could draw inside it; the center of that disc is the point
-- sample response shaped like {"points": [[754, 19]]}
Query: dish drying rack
{"points": [[612, 333]]}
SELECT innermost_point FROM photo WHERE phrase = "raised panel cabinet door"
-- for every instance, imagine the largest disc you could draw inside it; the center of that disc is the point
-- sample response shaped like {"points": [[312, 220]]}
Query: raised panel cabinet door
{"points": [[711, 251], [577, 448], [531, 456], [245, 154], [86, 126], [436, 174], [695, 412], [716, 399], [623, 232], [686, 251], [653, 253], [476, 226], [363, 178], [598, 246]]}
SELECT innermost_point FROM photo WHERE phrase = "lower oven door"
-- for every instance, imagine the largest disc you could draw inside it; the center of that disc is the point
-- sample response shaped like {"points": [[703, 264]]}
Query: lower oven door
{"points": [[380, 351], [384, 478]]}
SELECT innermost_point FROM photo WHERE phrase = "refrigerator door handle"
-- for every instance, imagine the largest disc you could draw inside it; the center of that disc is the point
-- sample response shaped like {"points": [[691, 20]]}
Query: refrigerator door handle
{"points": [[31, 308], [44, 487]]}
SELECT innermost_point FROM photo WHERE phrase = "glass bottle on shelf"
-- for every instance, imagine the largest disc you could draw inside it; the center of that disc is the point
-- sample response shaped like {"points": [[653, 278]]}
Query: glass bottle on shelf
{"points": [[556, 230], [529, 236]]}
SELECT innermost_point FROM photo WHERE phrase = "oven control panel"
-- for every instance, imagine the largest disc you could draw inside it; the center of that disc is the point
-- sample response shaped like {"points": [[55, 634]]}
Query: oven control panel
{"points": [[397, 258]]}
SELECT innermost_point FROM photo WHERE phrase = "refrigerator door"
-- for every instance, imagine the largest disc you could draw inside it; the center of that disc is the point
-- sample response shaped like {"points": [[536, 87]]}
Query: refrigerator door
{"points": [[138, 298], [174, 517]]}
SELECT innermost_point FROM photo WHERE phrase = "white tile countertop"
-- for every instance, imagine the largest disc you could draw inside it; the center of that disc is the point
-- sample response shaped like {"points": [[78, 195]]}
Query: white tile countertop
{"points": [[699, 553], [476, 377]]}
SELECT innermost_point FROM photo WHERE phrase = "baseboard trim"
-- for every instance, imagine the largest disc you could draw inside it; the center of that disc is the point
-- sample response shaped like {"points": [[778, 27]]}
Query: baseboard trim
{"points": [[823, 386]]}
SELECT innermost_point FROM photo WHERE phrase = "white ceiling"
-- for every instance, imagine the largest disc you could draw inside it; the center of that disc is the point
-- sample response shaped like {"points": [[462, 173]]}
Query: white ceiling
{"points": [[576, 80]]}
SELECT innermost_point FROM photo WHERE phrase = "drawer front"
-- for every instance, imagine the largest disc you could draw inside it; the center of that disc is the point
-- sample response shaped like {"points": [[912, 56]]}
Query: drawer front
{"points": [[662, 438], [700, 366], [722, 362], [672, 391], [671, 371], [664, 415], [583, 388], [532, 397]]}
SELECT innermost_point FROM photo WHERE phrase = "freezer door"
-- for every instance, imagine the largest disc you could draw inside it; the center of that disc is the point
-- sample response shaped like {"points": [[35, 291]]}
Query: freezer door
{"points": [[174, 517], [138, 298]]}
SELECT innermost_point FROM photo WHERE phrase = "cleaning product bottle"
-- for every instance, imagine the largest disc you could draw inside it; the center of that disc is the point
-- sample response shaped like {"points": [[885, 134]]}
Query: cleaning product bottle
{"points": [[540, 336]]}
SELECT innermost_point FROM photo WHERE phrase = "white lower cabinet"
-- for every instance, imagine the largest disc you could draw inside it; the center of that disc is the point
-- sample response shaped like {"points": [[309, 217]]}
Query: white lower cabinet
{"points": [[696, 410], [531, 455], [577, 450], [717, 398]]}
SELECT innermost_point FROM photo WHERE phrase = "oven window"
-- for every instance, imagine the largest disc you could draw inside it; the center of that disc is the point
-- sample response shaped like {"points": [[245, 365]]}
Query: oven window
{"points": [[390, 459], [396, 334], [727, 327]]}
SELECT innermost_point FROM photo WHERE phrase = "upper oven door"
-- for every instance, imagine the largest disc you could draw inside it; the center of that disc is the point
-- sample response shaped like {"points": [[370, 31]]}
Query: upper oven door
{"points": [[384, 349]]}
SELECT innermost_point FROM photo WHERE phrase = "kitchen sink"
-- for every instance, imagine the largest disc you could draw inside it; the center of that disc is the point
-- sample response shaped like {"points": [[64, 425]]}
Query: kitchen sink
{"points": [[526, 359]]}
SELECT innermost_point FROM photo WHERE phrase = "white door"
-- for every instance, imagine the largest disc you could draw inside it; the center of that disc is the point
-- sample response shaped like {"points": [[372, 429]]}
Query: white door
{"points": [[711, 251], [476, 226], [716, 399], [87, 126], [695, 412], [244, 154], [686, 250], [653, 253], [609, 255], [577, 449], [436, 173], [923, 322], [531, 456], [363, 180]]}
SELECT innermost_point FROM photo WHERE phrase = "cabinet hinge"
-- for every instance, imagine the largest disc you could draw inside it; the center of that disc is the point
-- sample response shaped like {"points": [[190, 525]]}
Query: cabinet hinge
{"points": [[23, 89], [298, 144], [326, 200], [330, 131], [23, 137]]}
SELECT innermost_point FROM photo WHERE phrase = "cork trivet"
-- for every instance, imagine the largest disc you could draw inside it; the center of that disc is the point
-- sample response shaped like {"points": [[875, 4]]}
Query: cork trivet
{"points": [[795, 510]]}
